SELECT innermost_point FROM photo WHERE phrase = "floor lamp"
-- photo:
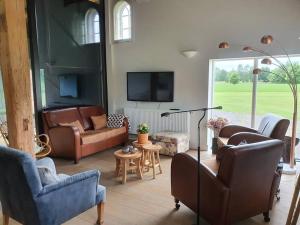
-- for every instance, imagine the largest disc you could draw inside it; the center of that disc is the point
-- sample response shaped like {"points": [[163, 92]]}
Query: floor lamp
{"points": [[203, 110]]}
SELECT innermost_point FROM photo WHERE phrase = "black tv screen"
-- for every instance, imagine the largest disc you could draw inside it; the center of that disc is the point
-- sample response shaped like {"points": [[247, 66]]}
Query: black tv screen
{"points": [[68, 85], [150, 86]]}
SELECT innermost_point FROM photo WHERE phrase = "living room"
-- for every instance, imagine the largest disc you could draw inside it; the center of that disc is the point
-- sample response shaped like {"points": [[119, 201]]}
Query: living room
{"points": [[122, 69]]}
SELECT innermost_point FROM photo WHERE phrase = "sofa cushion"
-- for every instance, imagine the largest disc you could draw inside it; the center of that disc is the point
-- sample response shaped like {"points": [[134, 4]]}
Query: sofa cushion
{"points": [[87, 112], [99, 122], [54, 117], [94, 136], [74, 124]]}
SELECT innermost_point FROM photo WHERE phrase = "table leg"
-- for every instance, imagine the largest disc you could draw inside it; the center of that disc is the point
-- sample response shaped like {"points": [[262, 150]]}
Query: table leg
{"points": [[153, 163], [124, 170], [158, 161], [138, 168], [118, 167]]}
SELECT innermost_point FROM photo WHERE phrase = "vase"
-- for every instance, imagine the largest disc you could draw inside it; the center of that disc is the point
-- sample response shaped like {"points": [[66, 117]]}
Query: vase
{"points": [[142, 138], [214, 146]]}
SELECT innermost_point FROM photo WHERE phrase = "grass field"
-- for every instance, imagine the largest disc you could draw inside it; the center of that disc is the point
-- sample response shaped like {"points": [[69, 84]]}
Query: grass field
{"points": [[271, 98]]}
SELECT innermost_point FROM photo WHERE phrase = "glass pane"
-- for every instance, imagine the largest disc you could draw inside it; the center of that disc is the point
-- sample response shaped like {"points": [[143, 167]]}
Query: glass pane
{"points": [[126, 34], [96, 27], [233, 90], [273, 93], [125, 22], [97, 37], [43, 87]]}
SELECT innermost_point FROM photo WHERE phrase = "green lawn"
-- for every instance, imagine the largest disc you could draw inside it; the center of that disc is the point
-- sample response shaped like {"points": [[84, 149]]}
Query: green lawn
{"points": [[271, 98]]}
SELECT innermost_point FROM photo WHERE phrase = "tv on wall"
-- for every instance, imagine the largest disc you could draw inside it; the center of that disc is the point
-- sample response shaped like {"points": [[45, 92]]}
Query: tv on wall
{"points": [[150, 86], [68, 85]]}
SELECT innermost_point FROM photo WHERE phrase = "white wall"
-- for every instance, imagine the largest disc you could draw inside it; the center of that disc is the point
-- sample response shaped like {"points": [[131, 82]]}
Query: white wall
{"points": [[162, 28]]}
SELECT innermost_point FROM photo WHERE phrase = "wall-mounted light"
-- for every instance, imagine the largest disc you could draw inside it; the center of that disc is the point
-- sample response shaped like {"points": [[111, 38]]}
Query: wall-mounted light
{"points": [[189, 53]]}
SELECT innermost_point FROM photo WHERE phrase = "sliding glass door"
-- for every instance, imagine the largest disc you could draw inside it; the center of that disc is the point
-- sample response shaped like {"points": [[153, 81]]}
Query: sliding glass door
{"points": [[233, 89], [245, 97]]}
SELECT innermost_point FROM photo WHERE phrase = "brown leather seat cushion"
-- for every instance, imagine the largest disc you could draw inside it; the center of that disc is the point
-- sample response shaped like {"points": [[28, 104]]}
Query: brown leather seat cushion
{"points": [[93, 136], [212, 164]]}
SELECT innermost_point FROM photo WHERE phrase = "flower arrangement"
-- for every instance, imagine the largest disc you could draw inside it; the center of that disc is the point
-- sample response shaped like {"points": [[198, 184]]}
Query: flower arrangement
{"points": [[216, 124], [143, 128]]}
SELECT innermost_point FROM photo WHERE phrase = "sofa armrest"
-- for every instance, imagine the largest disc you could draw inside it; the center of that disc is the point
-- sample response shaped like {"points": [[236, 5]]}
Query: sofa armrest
{"points": [[230, 130], [65, 142], [184, 186], [77, 194], [236, 139]]}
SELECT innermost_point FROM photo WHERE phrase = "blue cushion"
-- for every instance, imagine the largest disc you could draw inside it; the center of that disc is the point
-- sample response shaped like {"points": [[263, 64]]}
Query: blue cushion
{"points": [[48, 176]]}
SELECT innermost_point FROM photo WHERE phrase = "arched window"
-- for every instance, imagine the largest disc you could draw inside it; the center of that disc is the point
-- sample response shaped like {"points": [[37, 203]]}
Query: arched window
{"points": [[122, 21], [92, 26]]}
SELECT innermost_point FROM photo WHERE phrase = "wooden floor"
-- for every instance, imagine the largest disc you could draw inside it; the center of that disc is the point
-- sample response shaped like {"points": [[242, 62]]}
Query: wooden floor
{"points": [[148, 201]]}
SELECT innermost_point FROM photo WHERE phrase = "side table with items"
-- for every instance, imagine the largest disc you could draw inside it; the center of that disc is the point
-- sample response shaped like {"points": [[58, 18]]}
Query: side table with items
{"points": [[151, 158], [127, 162]]}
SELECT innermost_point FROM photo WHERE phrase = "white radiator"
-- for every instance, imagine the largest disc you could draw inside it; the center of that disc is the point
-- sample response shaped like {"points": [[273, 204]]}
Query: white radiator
{"points": [[176, 122]]}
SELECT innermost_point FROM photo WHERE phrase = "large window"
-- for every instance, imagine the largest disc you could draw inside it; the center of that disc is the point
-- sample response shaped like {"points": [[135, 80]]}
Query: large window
{"points": [[245, 97], [92, 26], [122, 21]]}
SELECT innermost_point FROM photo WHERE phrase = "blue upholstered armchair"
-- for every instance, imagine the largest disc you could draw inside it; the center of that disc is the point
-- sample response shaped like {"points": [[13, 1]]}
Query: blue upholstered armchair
{"points": [[24, 199]]}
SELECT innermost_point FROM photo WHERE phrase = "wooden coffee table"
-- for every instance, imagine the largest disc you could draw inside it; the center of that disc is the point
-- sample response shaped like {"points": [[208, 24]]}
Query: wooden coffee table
{"points": [[127, 162]]}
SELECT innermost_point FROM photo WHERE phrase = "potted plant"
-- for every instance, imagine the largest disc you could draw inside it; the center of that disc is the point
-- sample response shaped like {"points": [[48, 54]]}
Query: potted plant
{"points": [[143, 133], [216, 124]]}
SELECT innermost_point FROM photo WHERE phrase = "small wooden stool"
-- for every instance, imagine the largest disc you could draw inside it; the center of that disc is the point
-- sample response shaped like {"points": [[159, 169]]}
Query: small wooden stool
{"points": [[140, 147], [128, 162], [151, 158]]}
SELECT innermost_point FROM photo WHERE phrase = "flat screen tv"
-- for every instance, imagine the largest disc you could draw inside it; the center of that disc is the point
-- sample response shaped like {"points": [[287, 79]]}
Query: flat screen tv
{"points": [[150, 86], [68, 85]]}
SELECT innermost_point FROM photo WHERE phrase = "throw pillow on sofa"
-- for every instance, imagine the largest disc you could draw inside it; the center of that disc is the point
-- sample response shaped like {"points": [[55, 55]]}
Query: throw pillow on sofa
{"points": [[115, 120], [74, 124], [99, 122]]}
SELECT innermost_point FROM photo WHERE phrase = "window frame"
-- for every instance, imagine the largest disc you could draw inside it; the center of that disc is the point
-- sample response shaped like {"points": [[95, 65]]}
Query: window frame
{"points": [[119, 7], [90, 33]]}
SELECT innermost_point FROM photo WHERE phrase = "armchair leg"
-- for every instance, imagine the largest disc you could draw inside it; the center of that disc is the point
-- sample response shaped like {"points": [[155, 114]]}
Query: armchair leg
{"points": [[5, 219], [266, 217], [100, 209], [177, 205]]}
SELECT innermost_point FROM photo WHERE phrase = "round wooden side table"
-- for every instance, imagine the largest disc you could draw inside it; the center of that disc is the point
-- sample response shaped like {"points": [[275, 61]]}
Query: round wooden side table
{"points": [[127, 162], [151, 158]]}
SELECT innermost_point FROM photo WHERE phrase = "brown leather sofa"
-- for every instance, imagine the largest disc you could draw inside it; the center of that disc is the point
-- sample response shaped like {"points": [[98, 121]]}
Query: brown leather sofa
{"points": [[67, 142], [241, 185], [271, 126]]}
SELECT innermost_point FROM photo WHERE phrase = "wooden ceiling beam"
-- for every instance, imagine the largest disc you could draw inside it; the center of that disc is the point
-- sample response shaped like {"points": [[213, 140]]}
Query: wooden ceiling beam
{"points": [[15, 67]]}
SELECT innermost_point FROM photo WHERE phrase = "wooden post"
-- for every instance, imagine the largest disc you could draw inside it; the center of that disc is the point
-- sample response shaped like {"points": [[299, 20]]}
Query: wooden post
{"points": [[15, 61]]}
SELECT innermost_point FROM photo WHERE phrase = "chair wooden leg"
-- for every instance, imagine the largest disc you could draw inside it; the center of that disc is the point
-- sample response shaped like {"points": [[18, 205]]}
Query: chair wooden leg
{"points": [[294, 203], [100, 209], [266, 217], [177, 205], [5, 219]]}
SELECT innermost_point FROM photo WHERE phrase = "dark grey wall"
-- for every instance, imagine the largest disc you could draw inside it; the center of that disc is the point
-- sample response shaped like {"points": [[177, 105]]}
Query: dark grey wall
{"points": [[62, 51]]}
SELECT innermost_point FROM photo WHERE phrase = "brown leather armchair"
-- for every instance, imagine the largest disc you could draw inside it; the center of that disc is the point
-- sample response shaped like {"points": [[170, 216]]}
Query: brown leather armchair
{"points": [[271, 126], [241, 185]]}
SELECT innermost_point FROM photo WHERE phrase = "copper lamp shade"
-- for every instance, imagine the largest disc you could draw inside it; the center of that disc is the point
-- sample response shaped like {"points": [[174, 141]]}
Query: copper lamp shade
{"points": [[247, 49], [267, 39], [224, 45], [256, 71], [266, 61]]}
